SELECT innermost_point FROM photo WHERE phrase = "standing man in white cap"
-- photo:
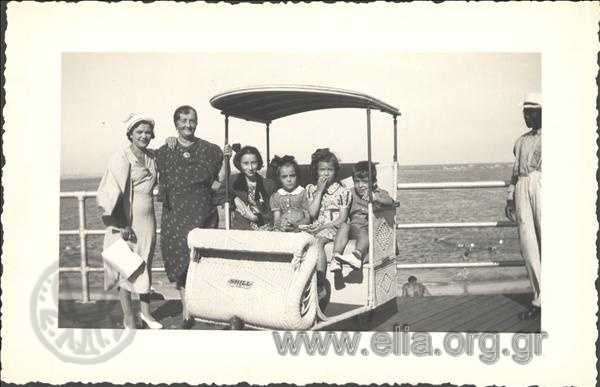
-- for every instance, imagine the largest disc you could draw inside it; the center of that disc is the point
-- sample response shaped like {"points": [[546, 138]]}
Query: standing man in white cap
{"points": [[524, 203]]}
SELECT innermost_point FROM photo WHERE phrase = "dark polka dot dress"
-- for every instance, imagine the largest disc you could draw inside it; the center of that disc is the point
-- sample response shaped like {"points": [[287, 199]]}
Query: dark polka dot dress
{"points": [[185, 178]]}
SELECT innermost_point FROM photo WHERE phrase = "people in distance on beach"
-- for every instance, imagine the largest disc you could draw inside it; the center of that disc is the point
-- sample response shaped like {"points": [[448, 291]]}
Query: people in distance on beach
{"points": [[358, 226], [125, 198], [414, 289], [289, 203], [523, 203], [328, 207], [190, 174], [249, 192]]}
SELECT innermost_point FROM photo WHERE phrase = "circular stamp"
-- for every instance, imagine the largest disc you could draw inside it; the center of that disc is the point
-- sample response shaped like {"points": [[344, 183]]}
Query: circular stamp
{"points": [[73, 345]]}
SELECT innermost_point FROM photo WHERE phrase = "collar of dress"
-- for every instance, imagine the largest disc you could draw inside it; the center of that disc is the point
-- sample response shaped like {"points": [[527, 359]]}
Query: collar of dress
{"points": [[296, 191], [131, 157]]}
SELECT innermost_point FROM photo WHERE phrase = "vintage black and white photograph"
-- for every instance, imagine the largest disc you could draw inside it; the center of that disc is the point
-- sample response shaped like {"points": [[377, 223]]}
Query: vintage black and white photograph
{"points": [[301, 192]]}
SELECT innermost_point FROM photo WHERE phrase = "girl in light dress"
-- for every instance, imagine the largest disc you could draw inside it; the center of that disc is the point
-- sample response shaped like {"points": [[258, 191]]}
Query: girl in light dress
{"points": [[289, 203], [329, 203]]}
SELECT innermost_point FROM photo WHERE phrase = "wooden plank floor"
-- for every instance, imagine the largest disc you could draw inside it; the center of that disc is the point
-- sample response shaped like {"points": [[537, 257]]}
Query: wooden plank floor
{"points": [[107, 314], [470, 313]]}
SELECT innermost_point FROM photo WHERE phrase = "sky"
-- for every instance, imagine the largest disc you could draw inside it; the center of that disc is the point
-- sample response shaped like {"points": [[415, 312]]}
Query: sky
{"points": [[455, 107]]}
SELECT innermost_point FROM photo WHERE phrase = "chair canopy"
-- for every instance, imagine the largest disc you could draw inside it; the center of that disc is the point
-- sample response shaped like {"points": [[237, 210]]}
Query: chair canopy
{"points": [[267, 103]]}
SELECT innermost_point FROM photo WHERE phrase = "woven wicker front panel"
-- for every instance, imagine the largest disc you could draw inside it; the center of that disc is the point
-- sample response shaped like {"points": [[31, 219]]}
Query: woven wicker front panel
{"points": [[383, 235], [262, 292], [385, 282]]}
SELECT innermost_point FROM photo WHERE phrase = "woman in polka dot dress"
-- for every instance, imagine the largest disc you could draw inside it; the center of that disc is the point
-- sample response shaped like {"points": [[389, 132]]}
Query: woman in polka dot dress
{"points": [[189, 174]]}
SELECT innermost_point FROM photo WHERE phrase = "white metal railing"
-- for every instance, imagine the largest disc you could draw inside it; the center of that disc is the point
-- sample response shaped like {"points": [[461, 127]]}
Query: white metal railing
{"points": [[459, 265], [82, 232], [453, 185]]}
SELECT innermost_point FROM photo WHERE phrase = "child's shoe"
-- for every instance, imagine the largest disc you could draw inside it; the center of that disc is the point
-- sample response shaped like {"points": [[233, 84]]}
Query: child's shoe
{"points": [[351, 260], [335, 264]]}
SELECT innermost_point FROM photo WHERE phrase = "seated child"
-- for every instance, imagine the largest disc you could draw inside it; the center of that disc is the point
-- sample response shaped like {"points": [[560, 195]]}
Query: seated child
{"points": [[414, 289], [358, 227], [328, 207], [289, 203], [250, 191]]}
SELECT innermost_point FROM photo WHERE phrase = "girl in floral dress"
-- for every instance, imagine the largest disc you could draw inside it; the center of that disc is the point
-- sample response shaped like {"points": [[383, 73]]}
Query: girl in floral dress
{"points": [[328, 207]]}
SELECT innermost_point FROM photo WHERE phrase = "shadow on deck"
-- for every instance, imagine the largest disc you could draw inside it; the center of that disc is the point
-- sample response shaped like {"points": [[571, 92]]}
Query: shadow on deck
{"points": [[469, 313]]}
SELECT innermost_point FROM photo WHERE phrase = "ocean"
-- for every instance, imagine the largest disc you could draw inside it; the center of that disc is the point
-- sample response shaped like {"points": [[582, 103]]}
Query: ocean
{"points": [[427, 245]]}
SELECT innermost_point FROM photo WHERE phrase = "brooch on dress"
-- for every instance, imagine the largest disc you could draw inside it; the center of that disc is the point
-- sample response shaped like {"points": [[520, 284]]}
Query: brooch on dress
{"points": [[186, 155]]}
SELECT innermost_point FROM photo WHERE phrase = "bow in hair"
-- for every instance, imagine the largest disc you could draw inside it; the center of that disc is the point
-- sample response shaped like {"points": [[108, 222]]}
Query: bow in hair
{"points": [[279, 161]]}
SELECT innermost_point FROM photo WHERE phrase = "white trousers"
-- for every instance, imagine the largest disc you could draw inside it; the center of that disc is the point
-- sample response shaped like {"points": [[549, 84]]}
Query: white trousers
{"points": [[528, 202]]}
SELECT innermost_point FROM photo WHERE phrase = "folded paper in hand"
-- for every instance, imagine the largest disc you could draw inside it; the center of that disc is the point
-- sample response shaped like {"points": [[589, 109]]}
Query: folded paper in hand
{"points": [[120, 257]]}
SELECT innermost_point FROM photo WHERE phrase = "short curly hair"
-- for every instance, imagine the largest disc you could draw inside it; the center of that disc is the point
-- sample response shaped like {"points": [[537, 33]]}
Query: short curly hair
{"points": [[247, 150], [323, 155], [185, 109], [360, 170]]}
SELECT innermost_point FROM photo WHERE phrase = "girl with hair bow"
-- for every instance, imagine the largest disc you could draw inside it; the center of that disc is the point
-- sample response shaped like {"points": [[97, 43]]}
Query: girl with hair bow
{"points": [[289, 204]]}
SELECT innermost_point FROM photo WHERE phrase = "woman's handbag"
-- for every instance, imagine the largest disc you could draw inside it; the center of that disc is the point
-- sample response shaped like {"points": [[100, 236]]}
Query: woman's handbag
{"points": [[120, 257]]}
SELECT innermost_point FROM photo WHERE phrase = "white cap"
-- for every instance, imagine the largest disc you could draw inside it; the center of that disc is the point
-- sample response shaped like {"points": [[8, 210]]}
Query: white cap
{"points": [[533, 100], [134, 118]]}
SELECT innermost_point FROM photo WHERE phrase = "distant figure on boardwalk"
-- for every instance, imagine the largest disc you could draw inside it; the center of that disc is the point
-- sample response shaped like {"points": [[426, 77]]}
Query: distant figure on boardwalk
{"points": [[190, 173], [414, 289], [524, 203]]}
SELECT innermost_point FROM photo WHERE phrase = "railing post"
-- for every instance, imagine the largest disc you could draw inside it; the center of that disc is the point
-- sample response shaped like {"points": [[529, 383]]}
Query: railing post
{"points": [[395, 139], [85, 286]]}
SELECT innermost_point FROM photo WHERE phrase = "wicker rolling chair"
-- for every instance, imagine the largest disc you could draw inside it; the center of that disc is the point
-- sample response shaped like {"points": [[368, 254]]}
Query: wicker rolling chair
{"points": [[264, 278]]}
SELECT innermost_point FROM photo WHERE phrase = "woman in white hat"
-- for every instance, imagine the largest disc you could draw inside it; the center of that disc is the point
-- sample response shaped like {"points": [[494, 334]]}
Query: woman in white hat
{"points": [[126, 201]]}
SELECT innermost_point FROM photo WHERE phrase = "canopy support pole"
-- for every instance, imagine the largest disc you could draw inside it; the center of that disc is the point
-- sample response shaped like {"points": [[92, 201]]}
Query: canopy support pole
{"points": [[226, 161], [395, 179], [371, 289], [268, 144], [369, 153]]}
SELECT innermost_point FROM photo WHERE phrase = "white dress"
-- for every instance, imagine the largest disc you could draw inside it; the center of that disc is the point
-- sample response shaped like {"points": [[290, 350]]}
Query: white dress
{"points": [[114, 201]]}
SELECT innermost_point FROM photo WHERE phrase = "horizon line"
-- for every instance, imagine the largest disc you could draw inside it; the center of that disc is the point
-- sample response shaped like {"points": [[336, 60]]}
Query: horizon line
{"points": [[90, 175]]}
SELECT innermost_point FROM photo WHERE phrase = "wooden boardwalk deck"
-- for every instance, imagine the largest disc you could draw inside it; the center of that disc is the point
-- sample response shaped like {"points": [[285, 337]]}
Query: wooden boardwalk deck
{"points": [[470, 313]]}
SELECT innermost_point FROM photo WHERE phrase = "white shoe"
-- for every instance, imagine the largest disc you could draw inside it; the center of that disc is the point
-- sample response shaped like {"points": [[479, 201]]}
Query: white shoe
{"points": [[152, 324], [351, 260], [335, 265]]}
